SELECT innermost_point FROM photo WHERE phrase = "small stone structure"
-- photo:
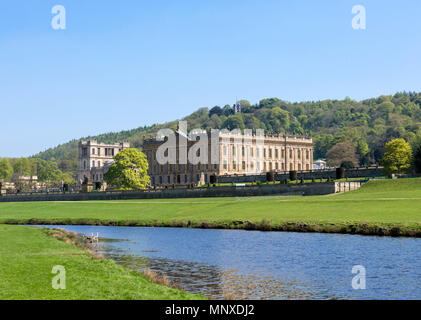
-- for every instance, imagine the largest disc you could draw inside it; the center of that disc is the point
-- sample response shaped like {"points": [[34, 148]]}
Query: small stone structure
{"points": [[345, 186], [2, 189], [87, 186]]}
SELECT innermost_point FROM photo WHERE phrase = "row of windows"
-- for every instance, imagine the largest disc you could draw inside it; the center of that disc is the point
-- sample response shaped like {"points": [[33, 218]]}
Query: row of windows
{"points": [[267, 166], [184, 178], [97, 151], [93, 164], [252, 165], [267, 153], [181, 167], [97, 177]]}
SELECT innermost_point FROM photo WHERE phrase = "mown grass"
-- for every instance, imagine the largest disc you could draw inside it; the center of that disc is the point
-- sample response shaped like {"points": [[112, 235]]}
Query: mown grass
{"points": [[28, 254], [383, 207]]}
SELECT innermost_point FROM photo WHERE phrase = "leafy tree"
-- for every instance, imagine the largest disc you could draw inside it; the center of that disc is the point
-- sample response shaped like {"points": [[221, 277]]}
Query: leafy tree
{"points": [[216, 110], [296, 128], [397, 157], [278, 119], [245, 105], [48, 171], [347, 165], [214, 122], [22, 166], [322, 144], [228, 110], [363, 151], [68, 179], [417, 158], [129, 171], [6, 169], [272, 103], [342, 152], [234, 122]]}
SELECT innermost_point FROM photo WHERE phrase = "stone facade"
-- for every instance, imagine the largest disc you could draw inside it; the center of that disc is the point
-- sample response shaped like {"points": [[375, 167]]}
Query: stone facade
{"points": [[95, 158], [235, 154]]}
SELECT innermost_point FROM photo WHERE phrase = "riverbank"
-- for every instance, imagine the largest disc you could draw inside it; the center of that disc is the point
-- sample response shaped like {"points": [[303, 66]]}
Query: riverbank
{"points": [[383, 207], [27, 256]]}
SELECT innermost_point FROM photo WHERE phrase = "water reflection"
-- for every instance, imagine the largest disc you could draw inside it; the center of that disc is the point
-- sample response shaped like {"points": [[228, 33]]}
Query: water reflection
{"points": [[211, 281], [233, 264]]}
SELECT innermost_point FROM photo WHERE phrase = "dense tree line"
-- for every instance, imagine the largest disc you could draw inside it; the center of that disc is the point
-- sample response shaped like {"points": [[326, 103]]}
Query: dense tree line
{"points": [[368, 125], [11, 169]]}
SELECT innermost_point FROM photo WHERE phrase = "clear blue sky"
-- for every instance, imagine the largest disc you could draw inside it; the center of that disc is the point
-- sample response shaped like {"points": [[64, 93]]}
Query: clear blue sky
{"points": [[124, 64]]}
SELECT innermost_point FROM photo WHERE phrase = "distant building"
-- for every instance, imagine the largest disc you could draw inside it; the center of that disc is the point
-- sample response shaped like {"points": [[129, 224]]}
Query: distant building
{"points": [[27, 182], [237, 154], [237, 108], [320, 164], [95, 159]]}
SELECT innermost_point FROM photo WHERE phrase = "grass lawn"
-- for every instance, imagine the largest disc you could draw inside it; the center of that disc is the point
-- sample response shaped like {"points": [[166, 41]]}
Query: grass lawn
{"points": [[376, 208], [28, 254]]}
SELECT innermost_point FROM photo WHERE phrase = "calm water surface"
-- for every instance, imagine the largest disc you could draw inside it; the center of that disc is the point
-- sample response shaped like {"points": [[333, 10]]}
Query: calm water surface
{"points": [[267, 265]]}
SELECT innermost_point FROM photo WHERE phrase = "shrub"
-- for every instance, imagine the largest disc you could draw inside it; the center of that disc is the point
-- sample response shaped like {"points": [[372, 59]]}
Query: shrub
{"points": [[340, 173], [293, 175], [347, 164], [270, 176]]}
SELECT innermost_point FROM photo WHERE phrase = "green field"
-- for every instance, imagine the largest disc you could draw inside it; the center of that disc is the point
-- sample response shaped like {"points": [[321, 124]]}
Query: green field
{"points": [[383, 207], [28, 254]]}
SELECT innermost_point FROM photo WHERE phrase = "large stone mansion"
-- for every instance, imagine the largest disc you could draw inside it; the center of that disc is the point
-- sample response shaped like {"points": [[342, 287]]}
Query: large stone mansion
{"points": [[95, 158], [236, 154]]}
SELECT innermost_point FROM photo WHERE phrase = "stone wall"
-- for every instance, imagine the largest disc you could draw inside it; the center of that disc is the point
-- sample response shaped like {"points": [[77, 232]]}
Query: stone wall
{"points": [[345, 186], [306, 175], [228, 191]]}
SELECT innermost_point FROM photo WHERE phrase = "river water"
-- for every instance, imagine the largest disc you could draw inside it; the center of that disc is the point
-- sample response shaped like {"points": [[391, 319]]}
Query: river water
{"points": [[267, 265]]}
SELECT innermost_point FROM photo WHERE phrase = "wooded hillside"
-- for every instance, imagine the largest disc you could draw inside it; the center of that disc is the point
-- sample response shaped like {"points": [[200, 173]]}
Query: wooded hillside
{"points": [[368, 124]]}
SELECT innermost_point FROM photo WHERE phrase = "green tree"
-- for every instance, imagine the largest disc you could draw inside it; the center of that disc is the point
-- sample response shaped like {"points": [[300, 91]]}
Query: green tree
{"points": [[48, 171], [234, 122], [68, 179], [22, 166], [278, 119], [216, 110], [228, 110], [129, 171], [417, 158], [6, 169], [397, 157], [363, 151], [342, 152]]}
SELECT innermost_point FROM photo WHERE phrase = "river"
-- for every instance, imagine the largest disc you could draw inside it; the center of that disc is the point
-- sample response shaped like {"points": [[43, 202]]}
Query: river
{"points": [[267, 265]]}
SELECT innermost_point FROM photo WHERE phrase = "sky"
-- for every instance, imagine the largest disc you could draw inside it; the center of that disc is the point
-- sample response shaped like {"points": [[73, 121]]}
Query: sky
{"points": [[119, 65]]}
